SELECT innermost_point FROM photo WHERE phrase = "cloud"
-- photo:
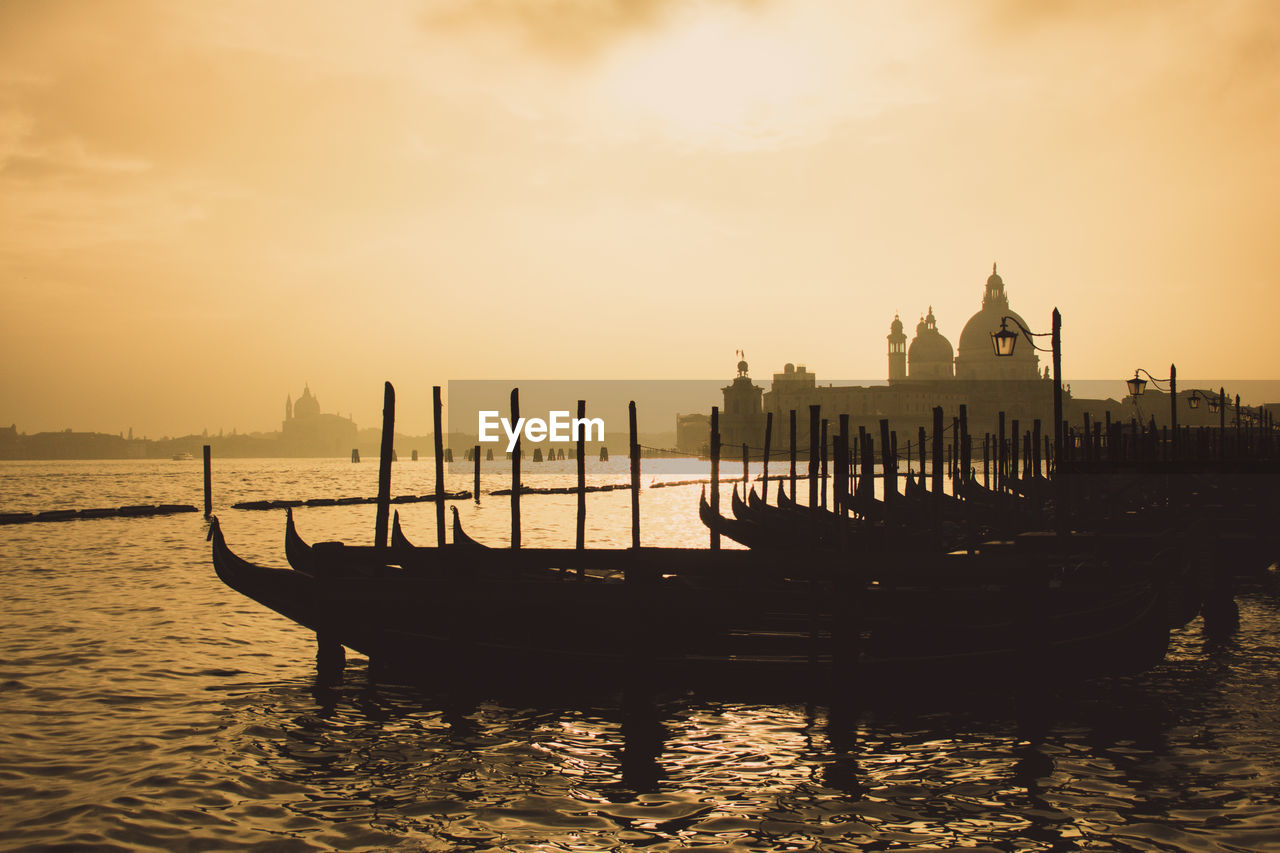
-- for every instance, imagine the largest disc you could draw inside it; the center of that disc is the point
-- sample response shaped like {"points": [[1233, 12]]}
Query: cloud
{"points": [[569, 30]]}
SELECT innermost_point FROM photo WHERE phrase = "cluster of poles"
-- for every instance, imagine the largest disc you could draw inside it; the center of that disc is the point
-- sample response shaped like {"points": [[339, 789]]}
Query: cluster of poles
{"points": [[1007, 457]]}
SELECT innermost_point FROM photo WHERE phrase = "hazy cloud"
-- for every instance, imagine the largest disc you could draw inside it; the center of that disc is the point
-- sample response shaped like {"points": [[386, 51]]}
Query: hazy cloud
{"points": [[564, 29]]}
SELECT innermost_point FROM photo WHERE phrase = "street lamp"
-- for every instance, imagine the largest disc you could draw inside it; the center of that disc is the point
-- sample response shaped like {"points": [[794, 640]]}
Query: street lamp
{"points": [[1137, 385], [1217, 402], [1003, 342]]}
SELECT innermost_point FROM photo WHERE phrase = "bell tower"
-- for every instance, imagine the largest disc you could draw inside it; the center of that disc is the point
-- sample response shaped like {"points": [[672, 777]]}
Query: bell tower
{"points": [[897, 351]]}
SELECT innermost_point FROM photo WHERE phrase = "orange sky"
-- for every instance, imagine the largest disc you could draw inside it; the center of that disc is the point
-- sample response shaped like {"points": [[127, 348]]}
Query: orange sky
{"points": [[203, 205]]}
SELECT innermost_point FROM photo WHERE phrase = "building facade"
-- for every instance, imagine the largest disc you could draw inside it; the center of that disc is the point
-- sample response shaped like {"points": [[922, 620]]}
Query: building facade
{"points": [[306, 431], [923, 372]]}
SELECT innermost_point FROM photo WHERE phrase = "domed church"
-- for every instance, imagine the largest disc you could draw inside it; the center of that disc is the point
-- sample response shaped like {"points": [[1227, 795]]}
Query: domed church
{"points": [[976, 358], [930, 355], [926, 373]]}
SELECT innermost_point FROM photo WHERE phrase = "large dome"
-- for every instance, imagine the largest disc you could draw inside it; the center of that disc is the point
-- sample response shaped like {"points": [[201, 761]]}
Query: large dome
{"points": [[976, 358]]}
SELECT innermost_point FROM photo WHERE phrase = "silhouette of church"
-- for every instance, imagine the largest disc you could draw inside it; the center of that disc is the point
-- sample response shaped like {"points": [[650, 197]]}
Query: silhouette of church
{"points": [[924, 374], [307, 431]]}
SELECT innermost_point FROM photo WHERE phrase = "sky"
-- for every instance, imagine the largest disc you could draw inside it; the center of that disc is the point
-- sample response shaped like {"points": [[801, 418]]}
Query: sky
{"points": [[204, 206]]}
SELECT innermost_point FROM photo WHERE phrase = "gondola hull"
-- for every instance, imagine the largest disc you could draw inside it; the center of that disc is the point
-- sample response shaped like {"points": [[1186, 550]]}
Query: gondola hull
{"points": [[697, 629]]}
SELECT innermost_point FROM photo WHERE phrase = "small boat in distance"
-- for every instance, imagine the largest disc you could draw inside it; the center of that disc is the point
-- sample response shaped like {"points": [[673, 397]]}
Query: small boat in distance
{"points": [[182, 457]]}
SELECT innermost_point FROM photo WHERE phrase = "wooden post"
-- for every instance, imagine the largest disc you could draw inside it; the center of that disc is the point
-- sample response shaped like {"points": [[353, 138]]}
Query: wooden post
{"points": [[635, 475], [869, 466], [1002, 472], [815, 414], [1014, 437], [862, 452], [822, 490], [840, 480], [886, 451], [921, 440], [438, 413], [475, 458], [208, 481], [793, 455], [515, 472], [768, 437], [581, 440], [355, 454], [955, 451], [986, 460], [937, 453], [841, 505], [382, 517], [746, 458], [1036, 442], [715, 473], [964, 443]]}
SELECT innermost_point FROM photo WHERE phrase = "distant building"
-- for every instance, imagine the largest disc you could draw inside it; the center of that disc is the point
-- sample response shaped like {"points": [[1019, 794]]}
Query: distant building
{"points": [[922, 373], [306, 431], [693, 432]]}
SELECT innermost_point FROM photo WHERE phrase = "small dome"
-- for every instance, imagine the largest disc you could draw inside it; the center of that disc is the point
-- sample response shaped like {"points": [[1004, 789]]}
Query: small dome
{"points": [[930, 354], [742, 367], [895, 328], [994, 279]]}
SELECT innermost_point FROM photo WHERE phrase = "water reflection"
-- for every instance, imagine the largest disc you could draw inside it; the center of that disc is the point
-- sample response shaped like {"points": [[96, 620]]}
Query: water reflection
{"points": [[1124, 762], [194, 719]]}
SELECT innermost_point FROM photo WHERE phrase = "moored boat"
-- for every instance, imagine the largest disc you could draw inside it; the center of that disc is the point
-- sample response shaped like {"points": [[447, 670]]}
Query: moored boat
{"points": [[486, 613]]}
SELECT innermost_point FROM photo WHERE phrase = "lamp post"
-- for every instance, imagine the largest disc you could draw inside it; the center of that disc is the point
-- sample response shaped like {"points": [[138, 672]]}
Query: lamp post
{"points": [[1218, 405], [1003, 342], [1137, 385]]}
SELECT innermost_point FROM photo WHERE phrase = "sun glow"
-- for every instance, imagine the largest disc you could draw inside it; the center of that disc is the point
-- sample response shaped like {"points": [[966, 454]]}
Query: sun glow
{"points": [[715, 80]]}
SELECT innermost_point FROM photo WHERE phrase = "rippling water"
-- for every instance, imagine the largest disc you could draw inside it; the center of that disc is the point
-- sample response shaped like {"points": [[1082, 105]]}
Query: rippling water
{"points": [[145, 705]]}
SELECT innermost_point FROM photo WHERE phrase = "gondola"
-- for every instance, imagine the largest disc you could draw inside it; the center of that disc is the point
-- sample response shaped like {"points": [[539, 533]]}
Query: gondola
{"points": [[482, 611]]}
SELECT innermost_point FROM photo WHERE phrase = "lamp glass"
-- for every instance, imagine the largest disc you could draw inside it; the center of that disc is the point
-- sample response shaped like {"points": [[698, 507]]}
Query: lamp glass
{"points": [[1194, 401], [1136, 386], [1003, 341]]}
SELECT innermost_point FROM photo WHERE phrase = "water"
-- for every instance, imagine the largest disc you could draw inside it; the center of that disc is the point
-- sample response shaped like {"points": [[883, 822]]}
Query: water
{"points": [[143, 705]]}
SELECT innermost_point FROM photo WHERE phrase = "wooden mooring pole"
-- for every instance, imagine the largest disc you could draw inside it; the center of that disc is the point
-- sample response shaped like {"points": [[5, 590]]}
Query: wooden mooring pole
{"points": [[886, 466], [842, 503], [635, 475], [937, 455], [793, 455], [1037, 470], [822, 491], [715, 472], [815, 417], [475, 457], [437, 408], [1001, 469], [384, 466], [208, 481], [515, 472], [1014, 437], [581, 438], [768, 437]]}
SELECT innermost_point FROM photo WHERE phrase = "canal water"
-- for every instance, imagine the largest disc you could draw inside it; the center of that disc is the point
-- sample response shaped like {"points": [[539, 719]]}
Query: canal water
{"points": [[143, 705]]}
